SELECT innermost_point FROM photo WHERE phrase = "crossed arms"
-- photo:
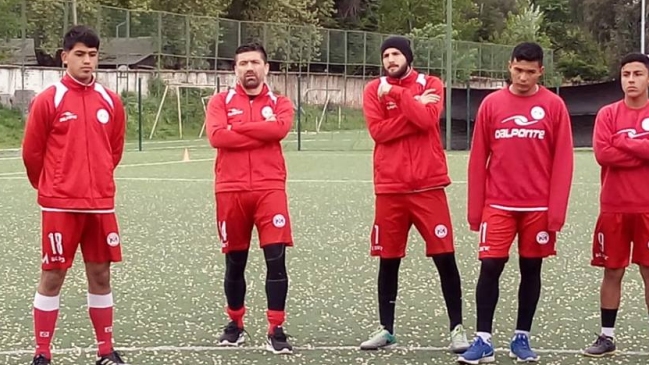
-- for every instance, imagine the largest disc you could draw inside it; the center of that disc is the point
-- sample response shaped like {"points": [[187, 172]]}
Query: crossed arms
{"points": [[246, 135], [417, 115], [617, 148]]}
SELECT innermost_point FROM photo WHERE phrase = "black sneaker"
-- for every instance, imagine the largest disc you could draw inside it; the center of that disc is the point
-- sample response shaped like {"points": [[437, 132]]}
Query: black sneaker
{"points": [[277, 342], [603, 346], [111, 359], [41, 360], [232, 335]]}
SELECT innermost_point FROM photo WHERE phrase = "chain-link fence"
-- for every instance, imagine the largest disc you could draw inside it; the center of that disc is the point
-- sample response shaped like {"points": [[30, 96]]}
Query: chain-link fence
{"points": [[188, 52]]}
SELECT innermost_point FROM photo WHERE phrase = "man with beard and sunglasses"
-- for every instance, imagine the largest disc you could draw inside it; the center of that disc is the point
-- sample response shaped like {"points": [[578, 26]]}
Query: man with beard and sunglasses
{"points": [[246, 125], [402, 111]]}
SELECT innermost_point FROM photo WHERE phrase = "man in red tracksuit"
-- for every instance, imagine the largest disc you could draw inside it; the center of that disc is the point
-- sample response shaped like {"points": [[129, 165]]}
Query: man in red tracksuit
{"points": [[246, 124], [621, 146], [519, 178], [73, 142], [402, 111]]}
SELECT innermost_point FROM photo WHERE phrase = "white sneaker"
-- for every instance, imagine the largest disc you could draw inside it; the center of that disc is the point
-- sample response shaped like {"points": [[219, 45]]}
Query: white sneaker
{"points": [[379, 339], [459, 342]]}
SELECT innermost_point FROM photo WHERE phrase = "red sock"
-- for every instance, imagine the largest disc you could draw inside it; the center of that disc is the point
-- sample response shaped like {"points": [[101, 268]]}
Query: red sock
{"points": [[46, 312], [237, 315], [275, 319], [100, 309]]}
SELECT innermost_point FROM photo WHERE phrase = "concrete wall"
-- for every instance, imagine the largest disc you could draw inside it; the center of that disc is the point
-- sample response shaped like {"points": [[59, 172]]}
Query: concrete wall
{"points": [[19, 84]]}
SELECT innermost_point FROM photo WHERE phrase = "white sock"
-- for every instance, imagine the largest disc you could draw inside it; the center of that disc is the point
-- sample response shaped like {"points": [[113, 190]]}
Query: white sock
{"points": [[486, 337], [519, 332], [608, 332]]}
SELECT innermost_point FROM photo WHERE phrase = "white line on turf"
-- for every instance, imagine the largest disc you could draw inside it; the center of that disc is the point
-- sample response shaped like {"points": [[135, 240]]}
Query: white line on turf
{"points": [[298, 181], [297, 348]]}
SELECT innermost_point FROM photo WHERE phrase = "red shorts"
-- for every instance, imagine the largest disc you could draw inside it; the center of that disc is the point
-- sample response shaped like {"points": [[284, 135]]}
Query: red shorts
{"points": [[499, 228], [64, 232], [396, 213], [612, 239], [238, 212]]}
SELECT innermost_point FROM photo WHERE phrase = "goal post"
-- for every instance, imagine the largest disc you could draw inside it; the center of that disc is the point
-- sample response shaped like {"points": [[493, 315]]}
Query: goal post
{"points": [[176, 88]]}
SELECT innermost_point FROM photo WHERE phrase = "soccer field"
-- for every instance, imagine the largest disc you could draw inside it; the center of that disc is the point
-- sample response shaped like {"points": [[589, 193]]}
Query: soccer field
{"points": [[168, 290]]}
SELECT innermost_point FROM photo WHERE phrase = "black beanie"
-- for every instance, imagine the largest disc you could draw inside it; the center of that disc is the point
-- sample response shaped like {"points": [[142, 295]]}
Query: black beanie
{"points": [[400, 43]]}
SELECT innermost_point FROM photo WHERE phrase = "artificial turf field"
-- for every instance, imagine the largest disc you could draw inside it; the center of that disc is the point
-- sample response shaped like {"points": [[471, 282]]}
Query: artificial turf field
{"points": [[168, 290]]}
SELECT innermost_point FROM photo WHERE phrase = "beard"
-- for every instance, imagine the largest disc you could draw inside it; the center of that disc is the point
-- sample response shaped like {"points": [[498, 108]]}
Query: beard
{"points": [[250, 81], [398, 73]]}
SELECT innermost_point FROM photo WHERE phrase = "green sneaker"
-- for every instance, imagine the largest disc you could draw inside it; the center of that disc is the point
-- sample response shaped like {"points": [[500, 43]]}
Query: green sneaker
{"points": [[459, 342], [379, 339]]}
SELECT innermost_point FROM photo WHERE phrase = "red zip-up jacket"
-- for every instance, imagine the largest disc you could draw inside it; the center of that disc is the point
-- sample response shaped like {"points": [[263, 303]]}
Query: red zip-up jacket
{"points": [[249, 150], [408, 151], [621, 147], [521, 156], [74, 140]]}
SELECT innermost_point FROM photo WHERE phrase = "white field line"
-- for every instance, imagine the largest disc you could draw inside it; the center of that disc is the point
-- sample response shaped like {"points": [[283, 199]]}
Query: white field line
{"points": [[297, 181], [79, 350]]}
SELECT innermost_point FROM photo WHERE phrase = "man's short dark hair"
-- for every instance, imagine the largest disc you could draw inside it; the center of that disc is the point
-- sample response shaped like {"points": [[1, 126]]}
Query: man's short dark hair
{"points": [[252, 47], [80, 34], [528, 51], [635, 57]]}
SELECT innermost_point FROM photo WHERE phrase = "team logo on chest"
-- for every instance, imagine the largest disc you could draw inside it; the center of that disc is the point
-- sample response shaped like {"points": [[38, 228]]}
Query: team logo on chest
{"points": [[267, 112], [522, 124], [103, 116], [632, 133]]}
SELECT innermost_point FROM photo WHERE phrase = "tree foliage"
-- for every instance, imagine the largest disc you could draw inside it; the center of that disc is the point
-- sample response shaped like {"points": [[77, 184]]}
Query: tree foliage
{"points": [[587, 37]]}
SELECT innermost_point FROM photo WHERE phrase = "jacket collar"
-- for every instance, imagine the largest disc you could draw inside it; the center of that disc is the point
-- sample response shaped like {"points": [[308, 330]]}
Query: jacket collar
{"points": [[74, 84], [241, 91], [409, 78]]}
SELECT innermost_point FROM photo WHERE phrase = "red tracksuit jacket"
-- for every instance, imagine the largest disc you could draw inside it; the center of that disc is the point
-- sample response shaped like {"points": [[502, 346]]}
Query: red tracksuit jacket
{"points": [[249, 153], [408, 151], [73, 142], [621, 146], [521, 156]]}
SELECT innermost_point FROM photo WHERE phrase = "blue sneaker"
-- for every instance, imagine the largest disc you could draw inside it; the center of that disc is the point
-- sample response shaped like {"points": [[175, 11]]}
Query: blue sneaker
{"points": [[520, 349], [480, 352]]}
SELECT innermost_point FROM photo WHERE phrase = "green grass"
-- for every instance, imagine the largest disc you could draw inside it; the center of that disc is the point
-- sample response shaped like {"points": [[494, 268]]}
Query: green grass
{"points": [[192, 116], [168, 291]]}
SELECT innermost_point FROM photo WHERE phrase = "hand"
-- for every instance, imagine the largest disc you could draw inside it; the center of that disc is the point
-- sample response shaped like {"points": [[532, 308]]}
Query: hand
{"points": [[429, 97], [384, 89]]}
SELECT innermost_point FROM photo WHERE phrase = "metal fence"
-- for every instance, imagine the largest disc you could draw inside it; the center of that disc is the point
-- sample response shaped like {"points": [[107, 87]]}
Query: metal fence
{"points": [[202, 43], [323, 71]]}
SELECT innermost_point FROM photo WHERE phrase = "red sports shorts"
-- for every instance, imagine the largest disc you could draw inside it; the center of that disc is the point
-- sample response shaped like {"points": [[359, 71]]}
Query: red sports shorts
{"points": [[64, 232], [238, 212], [499, 228], [396, 213], [612, 239]]}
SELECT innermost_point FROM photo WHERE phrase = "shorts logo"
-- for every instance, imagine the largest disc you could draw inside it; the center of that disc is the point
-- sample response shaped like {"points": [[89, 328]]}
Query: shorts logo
{"points": [[441, 231], [224, 234], [102, 116], [542, 238], [112, 239], [279, 221]]}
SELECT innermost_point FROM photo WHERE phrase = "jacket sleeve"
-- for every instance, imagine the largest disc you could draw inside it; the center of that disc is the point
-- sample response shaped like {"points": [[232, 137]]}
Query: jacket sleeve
{"points": [[606, 154], [119, 130], [423, 116], [219, 134], [382, 129], [637, 147], [35, 137], [272, 131], [477, 168], [562, 169]]}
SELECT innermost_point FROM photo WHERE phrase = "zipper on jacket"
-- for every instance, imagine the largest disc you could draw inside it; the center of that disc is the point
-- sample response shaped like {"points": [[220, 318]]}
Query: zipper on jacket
{"points": [[250, 157], [86, 124]]}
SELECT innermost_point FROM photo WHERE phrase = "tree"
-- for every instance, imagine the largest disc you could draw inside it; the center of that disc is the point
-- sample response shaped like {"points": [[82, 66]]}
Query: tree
{"points": [[523, 25]]}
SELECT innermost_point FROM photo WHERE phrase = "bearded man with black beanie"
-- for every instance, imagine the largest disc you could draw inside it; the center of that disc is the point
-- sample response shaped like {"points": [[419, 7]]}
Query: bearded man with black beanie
{"points": [[402, 111]]}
